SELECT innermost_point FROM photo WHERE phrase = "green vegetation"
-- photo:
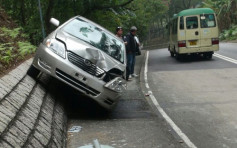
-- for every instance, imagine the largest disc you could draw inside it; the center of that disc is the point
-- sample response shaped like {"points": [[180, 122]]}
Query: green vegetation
{"points": [[150, 16], [226, 11], [14, 48], [229, 34], [12, 33], [108, 13]]}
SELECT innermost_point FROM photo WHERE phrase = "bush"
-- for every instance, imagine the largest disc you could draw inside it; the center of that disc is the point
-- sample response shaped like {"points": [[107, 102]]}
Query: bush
{"points": [[229, 34]]}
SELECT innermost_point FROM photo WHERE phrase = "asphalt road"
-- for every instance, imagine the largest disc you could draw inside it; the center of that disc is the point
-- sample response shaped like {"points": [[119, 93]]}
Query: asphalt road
{"points": [[131, 124], [199, 95]]}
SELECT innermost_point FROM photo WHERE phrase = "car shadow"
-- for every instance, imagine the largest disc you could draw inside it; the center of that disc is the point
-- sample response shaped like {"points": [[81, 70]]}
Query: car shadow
{"points": [[78, 105], [81, 107]]}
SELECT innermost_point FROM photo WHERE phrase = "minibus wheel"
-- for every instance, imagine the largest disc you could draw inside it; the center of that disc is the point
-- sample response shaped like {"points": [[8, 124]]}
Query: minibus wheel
{"points": [[178, 56], [171, 54], [208, 55]]}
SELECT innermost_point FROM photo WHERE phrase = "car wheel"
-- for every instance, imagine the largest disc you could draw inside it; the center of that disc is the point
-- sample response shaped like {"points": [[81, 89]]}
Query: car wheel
{"points": [[33, 72]]}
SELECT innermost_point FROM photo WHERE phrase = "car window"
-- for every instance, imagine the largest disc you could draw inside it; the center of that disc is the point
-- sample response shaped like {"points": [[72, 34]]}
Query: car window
{"points": [[96, 37], [207, 21], [192, 22]]}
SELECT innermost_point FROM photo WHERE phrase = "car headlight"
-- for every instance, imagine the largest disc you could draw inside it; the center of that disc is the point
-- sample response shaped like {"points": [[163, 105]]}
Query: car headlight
{"points": [[57, 47], [118, 84]]}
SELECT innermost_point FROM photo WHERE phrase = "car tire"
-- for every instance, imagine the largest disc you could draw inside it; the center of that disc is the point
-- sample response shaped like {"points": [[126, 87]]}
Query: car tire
{"points": [[33, 72]]}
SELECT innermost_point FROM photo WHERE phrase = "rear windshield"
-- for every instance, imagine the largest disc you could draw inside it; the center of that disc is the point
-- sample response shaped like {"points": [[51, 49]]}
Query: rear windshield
{"points": [[207, 20], [192, 22], [96, 37]]}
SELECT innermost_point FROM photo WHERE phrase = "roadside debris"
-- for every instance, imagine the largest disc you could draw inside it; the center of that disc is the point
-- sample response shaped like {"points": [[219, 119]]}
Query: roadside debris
{"points": [[148, 94], [75, 129]]}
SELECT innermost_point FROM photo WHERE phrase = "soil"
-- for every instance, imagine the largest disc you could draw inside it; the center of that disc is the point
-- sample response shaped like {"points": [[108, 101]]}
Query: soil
{"points": [[10, 68], [5, 20]]}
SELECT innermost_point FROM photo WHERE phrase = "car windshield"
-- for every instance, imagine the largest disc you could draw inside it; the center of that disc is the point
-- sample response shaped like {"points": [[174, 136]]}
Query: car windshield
{"points": [[96, 37]]}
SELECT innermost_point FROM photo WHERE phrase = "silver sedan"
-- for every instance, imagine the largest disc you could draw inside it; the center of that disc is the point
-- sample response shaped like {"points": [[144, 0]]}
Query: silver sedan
{"points": [[85, 56]]}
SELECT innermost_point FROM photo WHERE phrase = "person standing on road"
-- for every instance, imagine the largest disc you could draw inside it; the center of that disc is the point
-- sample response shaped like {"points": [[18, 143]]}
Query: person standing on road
{"points": [[131, 48], [119, 32]]}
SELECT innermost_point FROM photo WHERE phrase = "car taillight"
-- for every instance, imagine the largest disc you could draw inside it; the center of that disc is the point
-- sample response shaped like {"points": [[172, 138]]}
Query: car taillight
{"points": [[215, 41], [182, 43]]}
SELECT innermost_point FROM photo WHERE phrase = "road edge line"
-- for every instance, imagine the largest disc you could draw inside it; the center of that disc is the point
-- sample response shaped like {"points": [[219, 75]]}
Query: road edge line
{"points": [[176, 129], [225, 58]]}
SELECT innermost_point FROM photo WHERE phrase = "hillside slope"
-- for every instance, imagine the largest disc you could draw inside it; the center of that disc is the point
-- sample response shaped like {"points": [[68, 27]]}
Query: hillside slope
{"points": [[14, 45]]}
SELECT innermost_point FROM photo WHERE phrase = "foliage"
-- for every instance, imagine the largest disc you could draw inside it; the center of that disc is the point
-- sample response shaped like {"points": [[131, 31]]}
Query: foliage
{"points": [[13, 46], [12, 33], [25, 48], [6, 52], [226, 11], [229, 34], [109, 14]]}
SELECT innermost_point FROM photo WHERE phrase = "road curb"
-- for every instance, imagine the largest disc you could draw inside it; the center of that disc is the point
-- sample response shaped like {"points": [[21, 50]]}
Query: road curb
{"points": [[30, 116]]}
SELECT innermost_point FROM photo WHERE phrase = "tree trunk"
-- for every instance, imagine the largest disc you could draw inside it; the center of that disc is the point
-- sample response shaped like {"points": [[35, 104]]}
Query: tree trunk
{"points": [[23, 20], [48, 16]]}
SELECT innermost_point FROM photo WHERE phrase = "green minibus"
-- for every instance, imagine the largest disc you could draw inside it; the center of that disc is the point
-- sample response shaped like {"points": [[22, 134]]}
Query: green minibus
{"points": [[193, 31]]}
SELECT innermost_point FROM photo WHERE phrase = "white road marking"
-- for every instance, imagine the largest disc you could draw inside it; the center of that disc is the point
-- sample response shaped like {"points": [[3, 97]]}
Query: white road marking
{"points": [[162, 112], [225, 58]]}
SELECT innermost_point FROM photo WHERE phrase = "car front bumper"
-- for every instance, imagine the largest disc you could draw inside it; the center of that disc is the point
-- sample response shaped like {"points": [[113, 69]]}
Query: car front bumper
{"points": [[48, 62]]}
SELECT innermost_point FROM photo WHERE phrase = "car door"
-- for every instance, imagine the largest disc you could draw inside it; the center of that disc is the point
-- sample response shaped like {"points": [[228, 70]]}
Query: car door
{"points": [[192, 31]]}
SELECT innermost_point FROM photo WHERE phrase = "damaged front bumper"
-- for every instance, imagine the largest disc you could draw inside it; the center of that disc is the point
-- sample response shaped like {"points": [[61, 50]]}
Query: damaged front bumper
{"points": [[104, 93]]}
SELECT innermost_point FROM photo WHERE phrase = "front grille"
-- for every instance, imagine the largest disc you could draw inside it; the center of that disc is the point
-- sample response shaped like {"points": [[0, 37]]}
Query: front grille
{"points": [[76, 83], [80, 62]]}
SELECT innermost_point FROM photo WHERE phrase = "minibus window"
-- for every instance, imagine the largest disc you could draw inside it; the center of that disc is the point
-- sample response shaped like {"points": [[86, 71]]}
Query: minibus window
{"points": [[181, 23], [175, 29], [207, 20], [192, 22]]}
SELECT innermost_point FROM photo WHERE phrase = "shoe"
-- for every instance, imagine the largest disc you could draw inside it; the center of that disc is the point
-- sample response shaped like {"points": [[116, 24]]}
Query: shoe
{"points": [[134, 75], [129, 78]]}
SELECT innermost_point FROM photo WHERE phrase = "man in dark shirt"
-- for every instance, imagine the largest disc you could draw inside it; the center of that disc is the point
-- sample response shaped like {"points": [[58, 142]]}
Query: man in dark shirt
{"points": [[131, 48]]}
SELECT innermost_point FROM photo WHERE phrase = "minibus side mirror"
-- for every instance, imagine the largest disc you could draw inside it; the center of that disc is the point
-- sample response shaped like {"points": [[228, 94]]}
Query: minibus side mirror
{"points": [[54, 21]]}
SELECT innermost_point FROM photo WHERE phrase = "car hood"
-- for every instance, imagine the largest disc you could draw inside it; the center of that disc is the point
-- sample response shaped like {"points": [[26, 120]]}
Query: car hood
{"points": [[87, 51]]}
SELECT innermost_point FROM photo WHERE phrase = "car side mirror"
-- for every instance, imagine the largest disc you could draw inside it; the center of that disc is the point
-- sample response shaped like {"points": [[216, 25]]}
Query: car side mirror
{"points": [[54, 21]]}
